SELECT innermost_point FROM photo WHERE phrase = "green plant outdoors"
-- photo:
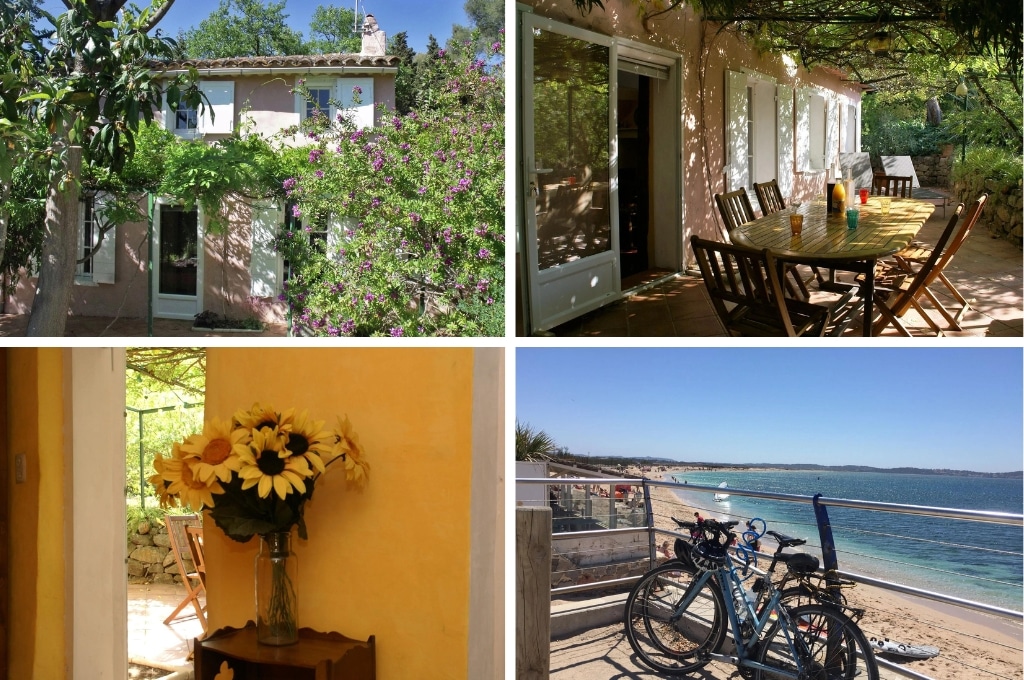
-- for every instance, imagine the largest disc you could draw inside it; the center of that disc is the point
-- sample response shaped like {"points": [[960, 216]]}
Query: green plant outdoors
{"points": [[158, 378]]}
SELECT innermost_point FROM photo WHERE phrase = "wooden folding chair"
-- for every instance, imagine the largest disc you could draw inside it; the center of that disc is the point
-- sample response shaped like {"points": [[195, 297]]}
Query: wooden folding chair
{"points": [[735, 209], [897, 290], [177, 532], [892, 185], [917, 254], [747, 295]]}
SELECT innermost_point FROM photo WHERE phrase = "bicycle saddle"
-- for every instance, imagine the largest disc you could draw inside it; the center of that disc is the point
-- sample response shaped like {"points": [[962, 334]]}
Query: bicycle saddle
{"points": [[785, 541]]}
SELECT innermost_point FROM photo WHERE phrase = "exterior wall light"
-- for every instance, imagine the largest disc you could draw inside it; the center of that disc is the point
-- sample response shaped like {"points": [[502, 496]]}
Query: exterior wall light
{"points": [[880, 43]]}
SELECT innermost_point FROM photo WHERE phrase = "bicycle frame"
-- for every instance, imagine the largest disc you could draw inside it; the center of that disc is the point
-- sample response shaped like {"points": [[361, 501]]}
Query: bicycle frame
{"points": [[726, 581]]}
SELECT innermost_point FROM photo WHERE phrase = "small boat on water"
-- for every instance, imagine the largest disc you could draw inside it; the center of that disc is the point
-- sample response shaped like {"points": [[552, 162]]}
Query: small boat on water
{"points": [[719, 497]]}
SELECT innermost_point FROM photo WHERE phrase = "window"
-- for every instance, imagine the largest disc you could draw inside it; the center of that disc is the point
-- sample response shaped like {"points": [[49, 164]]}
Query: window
{"points": [[185, 118], [99, 267], [319, 101], [315, 230]]}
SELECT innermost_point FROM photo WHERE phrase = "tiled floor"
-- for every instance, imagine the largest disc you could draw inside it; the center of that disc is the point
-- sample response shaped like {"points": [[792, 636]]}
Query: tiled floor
{"points": [[986, 269], [150, 642]]}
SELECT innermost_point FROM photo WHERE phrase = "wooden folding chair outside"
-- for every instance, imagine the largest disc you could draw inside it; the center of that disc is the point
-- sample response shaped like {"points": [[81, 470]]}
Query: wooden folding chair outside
{"points": [[193, 580], [747, 295], [893, 185], [917, 254], [897, 290], [735, 209]]}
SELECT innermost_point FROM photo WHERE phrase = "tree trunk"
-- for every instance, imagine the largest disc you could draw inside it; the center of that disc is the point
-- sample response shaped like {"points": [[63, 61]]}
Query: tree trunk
{"points": [[57, 268]]}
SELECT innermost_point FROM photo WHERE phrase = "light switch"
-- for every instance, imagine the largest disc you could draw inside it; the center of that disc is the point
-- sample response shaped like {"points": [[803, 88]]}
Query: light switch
{"points": [[19, 468]]}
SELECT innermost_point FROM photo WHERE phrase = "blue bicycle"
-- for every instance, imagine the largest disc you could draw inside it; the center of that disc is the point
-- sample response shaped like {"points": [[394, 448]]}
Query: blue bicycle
{"points": [[676, 617]]}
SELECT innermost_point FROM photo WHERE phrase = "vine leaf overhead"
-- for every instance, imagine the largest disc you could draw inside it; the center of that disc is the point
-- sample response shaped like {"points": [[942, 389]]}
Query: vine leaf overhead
{"points": [[863, 37]]}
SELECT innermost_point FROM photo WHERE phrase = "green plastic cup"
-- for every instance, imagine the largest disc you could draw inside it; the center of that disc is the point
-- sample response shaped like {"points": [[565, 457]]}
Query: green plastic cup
{"points": [[851, 218]]}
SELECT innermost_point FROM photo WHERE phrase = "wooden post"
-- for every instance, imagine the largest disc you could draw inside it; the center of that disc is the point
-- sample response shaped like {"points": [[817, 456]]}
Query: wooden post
{"points": [[533, 593]]}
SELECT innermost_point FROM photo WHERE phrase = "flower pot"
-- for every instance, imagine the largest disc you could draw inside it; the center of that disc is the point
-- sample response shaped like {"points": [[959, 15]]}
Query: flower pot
{"points": [[276, 600]]}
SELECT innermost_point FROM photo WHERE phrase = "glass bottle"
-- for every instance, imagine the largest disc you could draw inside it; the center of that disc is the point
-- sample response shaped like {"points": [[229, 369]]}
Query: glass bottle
{"points": [[839, 198]]}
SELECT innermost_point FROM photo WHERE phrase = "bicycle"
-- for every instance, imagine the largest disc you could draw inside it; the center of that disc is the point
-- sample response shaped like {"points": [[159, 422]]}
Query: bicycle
{"points": [[677, 620]]}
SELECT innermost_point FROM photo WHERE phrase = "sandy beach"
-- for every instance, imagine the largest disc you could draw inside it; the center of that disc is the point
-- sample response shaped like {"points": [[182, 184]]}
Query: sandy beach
{"points": [[973, 645]]}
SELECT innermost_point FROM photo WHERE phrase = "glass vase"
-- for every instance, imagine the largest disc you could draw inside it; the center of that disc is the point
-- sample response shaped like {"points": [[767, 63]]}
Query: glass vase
{"points": [[276, 601]]}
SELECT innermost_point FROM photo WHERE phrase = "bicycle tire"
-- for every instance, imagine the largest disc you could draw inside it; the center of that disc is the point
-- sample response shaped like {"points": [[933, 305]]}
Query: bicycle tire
{"points": [[679, 646], [830, 644]]}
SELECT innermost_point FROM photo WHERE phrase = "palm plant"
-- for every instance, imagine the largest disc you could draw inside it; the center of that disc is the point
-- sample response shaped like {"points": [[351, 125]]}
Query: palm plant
{"points": [[533, 444]]}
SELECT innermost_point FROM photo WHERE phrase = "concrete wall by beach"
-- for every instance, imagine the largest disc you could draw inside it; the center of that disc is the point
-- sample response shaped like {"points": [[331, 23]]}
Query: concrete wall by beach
{"points": [[401, 559], [703, 113]]}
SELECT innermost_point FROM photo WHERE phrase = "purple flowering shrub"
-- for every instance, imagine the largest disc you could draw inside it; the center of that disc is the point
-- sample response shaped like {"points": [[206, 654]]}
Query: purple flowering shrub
{"points": [[416, 208]]}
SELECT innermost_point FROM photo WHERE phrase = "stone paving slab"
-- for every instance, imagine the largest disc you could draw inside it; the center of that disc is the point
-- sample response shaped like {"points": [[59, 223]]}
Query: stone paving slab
{"points": [[15, 325]]}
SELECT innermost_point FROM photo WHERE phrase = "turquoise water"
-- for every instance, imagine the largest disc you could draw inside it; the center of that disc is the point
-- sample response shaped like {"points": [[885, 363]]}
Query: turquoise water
{"points": [[882, 544]]}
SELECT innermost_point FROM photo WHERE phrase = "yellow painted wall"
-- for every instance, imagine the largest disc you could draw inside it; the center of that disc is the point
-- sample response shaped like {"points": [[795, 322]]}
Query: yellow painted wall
{"points": [[37, 606], [390, 561]]}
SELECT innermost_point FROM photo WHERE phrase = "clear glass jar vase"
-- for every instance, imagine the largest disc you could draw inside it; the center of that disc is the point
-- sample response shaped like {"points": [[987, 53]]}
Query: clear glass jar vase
{"points": [[276, 600]]}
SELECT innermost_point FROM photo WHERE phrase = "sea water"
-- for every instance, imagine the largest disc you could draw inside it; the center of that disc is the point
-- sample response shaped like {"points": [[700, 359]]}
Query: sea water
{"points": [[972, 560]]}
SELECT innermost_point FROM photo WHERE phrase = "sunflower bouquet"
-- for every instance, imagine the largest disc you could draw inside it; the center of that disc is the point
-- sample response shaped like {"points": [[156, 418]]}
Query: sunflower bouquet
{"points": [[256, 471]]}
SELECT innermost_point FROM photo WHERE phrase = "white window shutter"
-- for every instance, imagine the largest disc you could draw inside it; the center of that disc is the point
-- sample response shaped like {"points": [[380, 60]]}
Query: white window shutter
{"points": [[784, 118], [104, 259], [266, 223], [336, 236], [221, 95], [831, 130], [736, 137], [362, 113], [803, 130]]}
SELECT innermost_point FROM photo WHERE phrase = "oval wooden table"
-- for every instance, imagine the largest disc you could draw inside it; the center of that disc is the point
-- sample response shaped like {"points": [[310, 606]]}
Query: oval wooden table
{"points": [[825, 240]]}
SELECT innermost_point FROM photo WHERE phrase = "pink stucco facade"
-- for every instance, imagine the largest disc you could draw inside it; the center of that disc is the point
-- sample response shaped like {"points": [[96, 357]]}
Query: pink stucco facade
{"points": [[225, 273]]}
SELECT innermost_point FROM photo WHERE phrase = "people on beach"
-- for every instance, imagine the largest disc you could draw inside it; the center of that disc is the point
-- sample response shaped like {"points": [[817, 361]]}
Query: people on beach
{"points": [[663, 549]]}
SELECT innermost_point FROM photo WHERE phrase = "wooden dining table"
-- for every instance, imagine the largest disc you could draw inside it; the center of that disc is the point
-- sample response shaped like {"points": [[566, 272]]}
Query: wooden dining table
{"points": [[826, 241]]}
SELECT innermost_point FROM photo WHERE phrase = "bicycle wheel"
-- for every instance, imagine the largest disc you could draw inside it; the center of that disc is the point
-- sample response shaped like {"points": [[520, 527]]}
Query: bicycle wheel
{"points": [[667, 640], [826, 642]]}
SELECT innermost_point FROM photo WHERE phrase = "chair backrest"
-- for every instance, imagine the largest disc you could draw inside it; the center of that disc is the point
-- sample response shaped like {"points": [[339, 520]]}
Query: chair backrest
{"points": [[970, 219], [177, 532], [769, 196], [195, 548], [892, 185], [744, 278], [928, 271], [734, 208]]}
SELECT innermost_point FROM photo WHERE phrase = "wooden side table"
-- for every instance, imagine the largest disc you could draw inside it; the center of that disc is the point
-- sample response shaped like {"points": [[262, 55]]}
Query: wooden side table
{"points": [[316, 656]]}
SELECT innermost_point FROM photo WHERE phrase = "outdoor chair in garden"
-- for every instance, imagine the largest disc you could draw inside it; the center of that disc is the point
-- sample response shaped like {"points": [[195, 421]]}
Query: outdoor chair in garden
{"points": [[194, 534], [892, 185], [747, 295], [917, 253], [897, 290], [195, 585], [735, 209]]}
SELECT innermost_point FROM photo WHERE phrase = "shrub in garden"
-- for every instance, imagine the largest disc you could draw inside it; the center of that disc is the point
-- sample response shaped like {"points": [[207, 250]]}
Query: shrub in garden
{"points": [[413, 214]]}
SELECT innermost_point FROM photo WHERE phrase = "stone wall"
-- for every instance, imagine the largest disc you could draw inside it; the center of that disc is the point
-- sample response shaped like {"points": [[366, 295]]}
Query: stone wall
{"points": [[149, 556], [933, 171], [1003, 214]]}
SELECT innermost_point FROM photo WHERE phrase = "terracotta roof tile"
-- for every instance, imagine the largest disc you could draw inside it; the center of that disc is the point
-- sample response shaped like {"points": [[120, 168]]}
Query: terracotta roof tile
{"points": [[290, 61]]}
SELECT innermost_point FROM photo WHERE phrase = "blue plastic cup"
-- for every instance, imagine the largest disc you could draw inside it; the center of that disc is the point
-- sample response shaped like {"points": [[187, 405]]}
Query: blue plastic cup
{"points": [[851, 218]]}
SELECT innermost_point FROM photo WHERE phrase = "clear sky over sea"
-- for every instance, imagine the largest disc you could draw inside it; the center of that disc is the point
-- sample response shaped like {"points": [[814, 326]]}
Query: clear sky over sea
{"points": [[418, 19], [956, 408]]}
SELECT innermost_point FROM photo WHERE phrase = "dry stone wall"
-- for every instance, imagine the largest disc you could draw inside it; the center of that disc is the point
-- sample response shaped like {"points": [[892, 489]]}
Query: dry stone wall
{"points": [[150, 559], [1004, 213]]}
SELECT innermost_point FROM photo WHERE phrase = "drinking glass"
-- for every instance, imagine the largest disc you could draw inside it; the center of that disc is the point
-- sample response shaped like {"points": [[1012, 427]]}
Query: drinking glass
{"points": [[796, 223], [852, 216], [886, 203]]}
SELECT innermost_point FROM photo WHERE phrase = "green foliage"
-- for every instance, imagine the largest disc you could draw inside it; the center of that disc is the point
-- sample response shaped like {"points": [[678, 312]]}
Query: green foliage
{"points": [[405, 79], [992, 163], [899, 131], [331, 30], [487, 19], [242, 28], [533, 444], [422, 197]]}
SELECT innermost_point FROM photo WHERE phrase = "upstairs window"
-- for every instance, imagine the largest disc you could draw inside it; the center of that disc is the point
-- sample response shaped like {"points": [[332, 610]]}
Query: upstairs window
{"points": [[319, 101]]}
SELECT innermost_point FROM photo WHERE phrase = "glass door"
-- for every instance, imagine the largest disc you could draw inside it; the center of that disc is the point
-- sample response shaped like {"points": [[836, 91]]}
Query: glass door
{"points": [[570, 173], [176, 259]]}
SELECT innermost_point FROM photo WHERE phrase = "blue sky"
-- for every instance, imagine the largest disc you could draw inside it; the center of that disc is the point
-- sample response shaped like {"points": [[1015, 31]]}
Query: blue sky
{"points": [[417, 19], [957, 408]]}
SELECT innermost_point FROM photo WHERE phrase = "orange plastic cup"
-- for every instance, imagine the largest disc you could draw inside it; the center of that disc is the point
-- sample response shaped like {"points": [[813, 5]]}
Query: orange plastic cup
{"points": [[796, 223]]}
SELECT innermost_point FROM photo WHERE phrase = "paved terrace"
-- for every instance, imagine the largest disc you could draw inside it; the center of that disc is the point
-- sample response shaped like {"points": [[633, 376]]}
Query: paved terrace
{"points": [[989, 270], [14, 325]]}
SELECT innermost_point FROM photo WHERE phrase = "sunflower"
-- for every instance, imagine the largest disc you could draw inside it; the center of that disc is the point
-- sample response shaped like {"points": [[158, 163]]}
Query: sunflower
{"points": [[167, 499], [308, 438], [216, 450], [189, 489], [356, 469], [268, 464], [260, 416]]}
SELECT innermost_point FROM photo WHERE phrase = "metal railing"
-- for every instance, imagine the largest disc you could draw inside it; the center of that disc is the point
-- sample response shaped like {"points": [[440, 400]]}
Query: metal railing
{"points": [[820, 506]]}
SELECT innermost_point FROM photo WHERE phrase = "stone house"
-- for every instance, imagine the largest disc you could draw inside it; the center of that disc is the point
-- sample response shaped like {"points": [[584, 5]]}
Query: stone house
{"points": [[235, 273]]}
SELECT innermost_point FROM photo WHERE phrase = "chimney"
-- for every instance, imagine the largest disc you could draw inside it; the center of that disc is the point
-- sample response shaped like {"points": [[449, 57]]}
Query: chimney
{"points": [[374, 39]]}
